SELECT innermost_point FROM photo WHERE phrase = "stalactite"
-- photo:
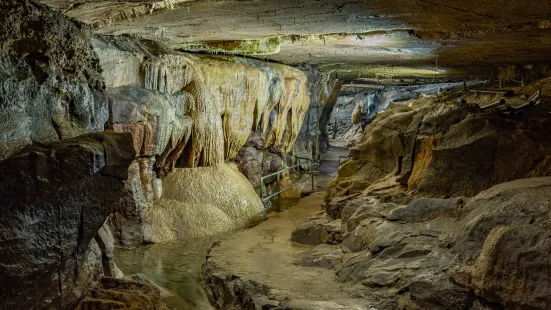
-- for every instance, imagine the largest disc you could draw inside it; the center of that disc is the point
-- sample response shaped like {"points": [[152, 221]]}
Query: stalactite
{"points": [[225, 99]]}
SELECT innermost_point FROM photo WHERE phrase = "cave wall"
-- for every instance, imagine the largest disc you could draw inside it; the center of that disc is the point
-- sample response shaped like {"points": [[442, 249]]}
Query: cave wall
{"points": [[367, 105], [326, 112], [58, 181], [55, 199], [51, 84], [321, 87], [256, 159]]}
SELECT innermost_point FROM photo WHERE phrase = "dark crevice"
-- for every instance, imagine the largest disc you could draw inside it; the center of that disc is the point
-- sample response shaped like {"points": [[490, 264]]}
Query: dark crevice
{"points": [[494, 153], [400, 164], [57, 129], [79, 239], [59, 272], [405, 177]]}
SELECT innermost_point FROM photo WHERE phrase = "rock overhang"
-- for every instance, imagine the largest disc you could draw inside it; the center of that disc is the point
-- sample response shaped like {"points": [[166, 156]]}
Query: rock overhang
{"points": [[368, 38]]}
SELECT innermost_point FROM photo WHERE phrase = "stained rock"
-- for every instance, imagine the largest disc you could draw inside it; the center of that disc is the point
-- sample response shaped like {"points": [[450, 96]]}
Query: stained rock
{"points": [[55, 198]]}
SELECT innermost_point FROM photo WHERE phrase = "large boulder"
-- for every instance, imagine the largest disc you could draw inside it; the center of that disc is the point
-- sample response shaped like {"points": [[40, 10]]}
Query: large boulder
{"points": [[510, 267], [204, 201], [55, 198]]}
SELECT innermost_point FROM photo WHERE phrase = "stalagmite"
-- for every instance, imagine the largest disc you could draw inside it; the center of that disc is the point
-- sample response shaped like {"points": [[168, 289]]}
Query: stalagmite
{"points": [[204, 201]]}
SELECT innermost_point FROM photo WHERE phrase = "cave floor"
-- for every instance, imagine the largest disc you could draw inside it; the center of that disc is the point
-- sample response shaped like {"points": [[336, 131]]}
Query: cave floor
{"points": [[265, 254], [329, 164]]}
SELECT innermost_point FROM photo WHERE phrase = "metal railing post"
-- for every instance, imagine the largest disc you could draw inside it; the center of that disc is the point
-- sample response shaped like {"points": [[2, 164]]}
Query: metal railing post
{"points": [[278, 186], [297, 167], [262, 188]]}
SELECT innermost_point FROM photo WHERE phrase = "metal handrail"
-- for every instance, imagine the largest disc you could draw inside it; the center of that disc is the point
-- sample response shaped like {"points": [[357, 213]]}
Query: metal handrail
{"points": [[535, 99], [264, 195], [494, 104]]}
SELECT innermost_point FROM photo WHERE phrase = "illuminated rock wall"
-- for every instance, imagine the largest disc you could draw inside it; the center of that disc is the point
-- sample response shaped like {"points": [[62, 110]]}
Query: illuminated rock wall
{"points": [[204, 201], [187, 111]]}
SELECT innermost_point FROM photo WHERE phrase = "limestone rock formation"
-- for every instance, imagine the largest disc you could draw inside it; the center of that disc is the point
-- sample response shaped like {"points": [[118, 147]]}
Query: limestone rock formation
{"points": [[153, 120], [254, 160], [485, 252], [55, 199], [320, 85], [188, 110], [327, 111], [318, 231], [225, 97], [204, 201], [369, 103], [445, 150], [475, 251], [51, 86], [112, 293]]}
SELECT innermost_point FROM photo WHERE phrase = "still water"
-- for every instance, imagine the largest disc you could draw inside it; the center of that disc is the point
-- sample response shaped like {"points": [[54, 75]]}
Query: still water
{"points": [[175, 266]]}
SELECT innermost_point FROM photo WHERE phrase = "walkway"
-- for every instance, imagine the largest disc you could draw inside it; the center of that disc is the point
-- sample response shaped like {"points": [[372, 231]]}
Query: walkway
{"points": [[329, 165], [266, 255]]}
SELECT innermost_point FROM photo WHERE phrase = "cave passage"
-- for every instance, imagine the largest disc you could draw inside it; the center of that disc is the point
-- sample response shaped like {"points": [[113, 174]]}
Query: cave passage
{"points": [[336, 154]]}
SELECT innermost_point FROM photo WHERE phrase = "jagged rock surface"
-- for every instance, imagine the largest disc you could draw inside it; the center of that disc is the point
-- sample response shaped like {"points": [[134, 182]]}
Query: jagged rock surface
{"points": [[474, 251], [55, 198], [457, 253], [254, 160], [50, 82], [110, 293], [445, 150]]}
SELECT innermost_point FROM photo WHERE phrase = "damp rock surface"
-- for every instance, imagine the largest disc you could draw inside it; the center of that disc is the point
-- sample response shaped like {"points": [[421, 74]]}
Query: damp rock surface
{"points": [[131, 294], [55, 198]]}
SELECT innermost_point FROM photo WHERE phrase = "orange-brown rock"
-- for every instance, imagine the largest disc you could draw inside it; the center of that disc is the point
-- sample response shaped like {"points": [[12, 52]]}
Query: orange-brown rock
{"points": [[446, 150], [111, 293]]}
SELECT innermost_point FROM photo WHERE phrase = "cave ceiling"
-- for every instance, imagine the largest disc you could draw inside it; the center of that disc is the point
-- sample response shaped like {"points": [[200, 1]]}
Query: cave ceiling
{"points": [[396, 38]]}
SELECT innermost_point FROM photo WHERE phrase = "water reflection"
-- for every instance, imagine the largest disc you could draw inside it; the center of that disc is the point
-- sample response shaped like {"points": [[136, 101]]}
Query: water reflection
{"points": [[174, 265]]}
